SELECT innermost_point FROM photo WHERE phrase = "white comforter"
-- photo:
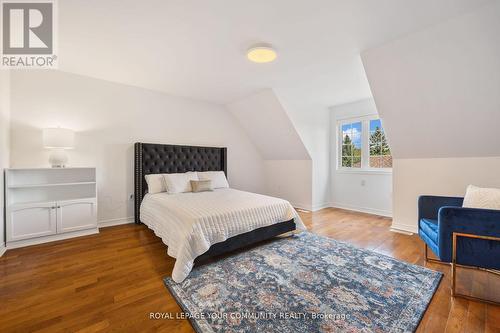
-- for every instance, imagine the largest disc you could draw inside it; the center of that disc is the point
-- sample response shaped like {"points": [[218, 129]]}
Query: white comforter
{"points": [[189, 223]]}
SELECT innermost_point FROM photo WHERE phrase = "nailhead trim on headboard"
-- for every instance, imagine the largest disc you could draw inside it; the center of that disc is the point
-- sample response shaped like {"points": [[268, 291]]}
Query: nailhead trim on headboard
{"points": [[153, 158]]}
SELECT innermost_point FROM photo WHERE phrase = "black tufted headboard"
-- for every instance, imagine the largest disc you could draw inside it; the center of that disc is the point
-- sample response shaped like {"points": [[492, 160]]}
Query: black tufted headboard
{"points": [[151, 158]]}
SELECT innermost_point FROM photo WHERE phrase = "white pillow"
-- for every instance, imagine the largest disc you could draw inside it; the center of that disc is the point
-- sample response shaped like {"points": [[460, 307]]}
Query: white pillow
{"points": [[155, 183], [179, 182], [478, 197], [218, 178]]}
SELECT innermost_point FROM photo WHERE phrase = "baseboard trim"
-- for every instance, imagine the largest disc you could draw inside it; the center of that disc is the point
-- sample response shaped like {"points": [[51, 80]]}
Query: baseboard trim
{"points": [[372, 211], [324, 205], [2, 250], [399, 231], [51, 238], [301, 206], [404, 228], [113, 222]]}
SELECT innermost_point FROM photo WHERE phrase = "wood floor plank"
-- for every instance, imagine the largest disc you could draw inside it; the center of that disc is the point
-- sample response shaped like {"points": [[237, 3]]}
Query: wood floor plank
{"points": [[112, 281]]}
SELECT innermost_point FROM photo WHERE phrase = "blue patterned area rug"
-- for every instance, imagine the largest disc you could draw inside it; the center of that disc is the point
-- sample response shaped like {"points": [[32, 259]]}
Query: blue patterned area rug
{"points": [[306, 283]]}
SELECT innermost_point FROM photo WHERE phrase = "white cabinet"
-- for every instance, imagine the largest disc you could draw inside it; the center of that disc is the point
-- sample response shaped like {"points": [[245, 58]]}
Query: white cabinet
{"points": [[31, 220], [49, 204], [73, 215]]}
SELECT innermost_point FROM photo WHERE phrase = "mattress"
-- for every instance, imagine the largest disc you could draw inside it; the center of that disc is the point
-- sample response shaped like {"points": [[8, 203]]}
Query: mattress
{"points": [[189, 223]]}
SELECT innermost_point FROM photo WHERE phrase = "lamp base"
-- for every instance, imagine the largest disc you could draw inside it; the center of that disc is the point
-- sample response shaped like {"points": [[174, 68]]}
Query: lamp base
{"points": [[58, 158]]}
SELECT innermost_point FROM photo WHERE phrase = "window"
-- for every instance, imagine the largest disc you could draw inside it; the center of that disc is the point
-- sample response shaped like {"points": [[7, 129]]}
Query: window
{"points": [[351, 145], [363, 145], [380, 154]]}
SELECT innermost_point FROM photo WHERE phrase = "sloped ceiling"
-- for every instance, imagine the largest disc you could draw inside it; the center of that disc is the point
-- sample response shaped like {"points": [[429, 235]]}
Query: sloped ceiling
{"points": [[269, 127], [196, 48], [438, 90]]}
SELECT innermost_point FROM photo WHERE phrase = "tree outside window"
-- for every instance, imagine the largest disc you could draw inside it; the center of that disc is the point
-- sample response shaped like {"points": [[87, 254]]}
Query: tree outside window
{"points": [[351, 145], [380, 154]]}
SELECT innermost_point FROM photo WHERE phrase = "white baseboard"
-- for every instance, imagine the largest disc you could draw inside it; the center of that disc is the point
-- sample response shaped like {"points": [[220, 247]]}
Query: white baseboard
{"points": [[399, 231], [113, 222], [372, 211], [52, 238], [404, 228], [2, 250], [301, 206], [320, 206], [310, 208]]}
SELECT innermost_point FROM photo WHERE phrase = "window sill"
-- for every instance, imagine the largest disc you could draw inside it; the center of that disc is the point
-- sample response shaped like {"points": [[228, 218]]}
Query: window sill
{"points": [[365, 171]]}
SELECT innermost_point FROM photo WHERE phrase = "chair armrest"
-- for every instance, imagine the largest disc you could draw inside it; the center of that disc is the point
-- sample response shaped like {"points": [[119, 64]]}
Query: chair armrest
{"points": [[429, 205], [483, 222]]}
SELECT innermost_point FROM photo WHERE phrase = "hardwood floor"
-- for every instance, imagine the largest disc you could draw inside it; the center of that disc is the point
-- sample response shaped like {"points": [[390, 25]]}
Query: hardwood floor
{"points": [[113, 281]]}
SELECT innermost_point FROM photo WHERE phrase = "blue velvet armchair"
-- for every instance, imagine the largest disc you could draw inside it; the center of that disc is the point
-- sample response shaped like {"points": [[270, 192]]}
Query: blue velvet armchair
{"points": [[466, 237]]}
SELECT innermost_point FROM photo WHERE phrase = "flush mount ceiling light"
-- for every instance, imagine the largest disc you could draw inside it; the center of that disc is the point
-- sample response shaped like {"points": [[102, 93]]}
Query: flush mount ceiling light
{"points": [[261, 53]]}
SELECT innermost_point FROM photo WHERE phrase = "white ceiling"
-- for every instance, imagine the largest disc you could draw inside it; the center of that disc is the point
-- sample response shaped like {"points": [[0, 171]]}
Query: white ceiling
{"points": [[197, 48]]}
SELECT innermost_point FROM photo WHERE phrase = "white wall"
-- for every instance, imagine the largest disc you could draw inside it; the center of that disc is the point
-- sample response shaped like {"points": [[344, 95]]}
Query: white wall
{"points": [[313, 126], [319, 147], [364, 191], [294, 141], [4, 143], [290, 180], [109, 118], [288, 166], [437, 91], [268, 125], [437, 176]]}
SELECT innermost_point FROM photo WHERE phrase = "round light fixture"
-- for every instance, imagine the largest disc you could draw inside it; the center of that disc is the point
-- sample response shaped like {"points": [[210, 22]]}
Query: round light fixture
{"points": [[261, 54]]}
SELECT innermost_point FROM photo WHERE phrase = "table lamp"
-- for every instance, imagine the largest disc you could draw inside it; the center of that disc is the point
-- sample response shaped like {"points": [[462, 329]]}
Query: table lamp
{"points": [[58, 140]]}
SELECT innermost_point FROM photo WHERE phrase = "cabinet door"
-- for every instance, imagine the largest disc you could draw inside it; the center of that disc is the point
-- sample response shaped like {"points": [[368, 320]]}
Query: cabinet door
{"points": [[31, 220], [73, 215]]}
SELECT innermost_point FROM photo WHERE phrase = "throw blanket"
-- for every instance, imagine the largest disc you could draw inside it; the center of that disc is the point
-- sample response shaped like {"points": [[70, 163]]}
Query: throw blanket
{"points": [[189, 223]]}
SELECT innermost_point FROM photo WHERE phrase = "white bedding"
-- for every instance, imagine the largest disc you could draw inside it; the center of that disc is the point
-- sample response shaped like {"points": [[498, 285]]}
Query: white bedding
{"points": [[189, 223]]}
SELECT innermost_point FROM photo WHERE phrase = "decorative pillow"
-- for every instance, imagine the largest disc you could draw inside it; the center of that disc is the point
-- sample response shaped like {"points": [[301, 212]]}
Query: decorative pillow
{"points": [[218, 178], [155, 183], [179, 182], [479, 197], [201, 185]]}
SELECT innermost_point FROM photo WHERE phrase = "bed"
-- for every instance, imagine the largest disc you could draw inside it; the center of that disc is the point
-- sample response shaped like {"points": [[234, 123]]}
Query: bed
{"points": [[198, 226]]}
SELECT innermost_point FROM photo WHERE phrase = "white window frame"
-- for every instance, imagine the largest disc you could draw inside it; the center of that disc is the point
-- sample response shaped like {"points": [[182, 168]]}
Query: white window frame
{"points": [[365, 146]]}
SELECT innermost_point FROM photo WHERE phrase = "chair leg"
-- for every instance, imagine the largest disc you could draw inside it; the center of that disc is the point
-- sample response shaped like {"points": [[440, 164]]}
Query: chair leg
{"points": [[454, 268], [431, 260], [425, 251]]}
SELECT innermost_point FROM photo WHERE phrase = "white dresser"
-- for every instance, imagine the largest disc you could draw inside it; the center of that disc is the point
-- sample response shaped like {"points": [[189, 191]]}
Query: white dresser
{"points": [[47, 204]]}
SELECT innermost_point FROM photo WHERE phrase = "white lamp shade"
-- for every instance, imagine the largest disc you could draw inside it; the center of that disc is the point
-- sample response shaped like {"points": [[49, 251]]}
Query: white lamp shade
{"points": [[61, 138]]}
